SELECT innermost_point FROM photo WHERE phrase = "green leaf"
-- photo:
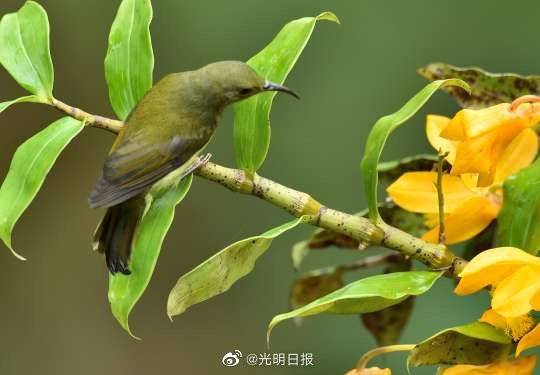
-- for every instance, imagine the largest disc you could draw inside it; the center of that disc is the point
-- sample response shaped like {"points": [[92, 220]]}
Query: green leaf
{"points": [[218, 273], [274, 62], [125, 291], [380, 133], [475, 344], [30, 165], [366, 295], [130, 60], [299, 251], [24, 49], [519, 219], [24, 99], [314, 285], [386, 325], [487, 89]]}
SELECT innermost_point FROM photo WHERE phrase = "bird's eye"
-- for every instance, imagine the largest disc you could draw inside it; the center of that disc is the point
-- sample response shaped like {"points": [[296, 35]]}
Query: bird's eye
{"points": [[245, 91]]}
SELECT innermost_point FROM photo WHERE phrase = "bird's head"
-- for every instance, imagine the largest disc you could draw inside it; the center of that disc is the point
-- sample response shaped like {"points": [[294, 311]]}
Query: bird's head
{"points": [[232, 81]]}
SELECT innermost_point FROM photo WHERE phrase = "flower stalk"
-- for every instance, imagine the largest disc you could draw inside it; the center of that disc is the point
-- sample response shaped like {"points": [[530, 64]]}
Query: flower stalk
{"points": [[364, 360]]}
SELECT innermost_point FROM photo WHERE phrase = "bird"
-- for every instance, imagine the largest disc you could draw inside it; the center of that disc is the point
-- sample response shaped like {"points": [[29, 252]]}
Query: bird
{"points": [[165, 133]]}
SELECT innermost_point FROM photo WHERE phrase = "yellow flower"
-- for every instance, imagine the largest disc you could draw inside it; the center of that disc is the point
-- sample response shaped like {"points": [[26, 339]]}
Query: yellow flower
{"points": [[370, 371], [505, 268], [514, 275], [517, 327], [468, 209], [484, 147], [521, 366], [493, 142]]}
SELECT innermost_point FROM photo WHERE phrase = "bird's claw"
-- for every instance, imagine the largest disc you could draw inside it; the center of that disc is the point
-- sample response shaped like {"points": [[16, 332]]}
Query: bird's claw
{"points": [[200, 162], [204, 159]]}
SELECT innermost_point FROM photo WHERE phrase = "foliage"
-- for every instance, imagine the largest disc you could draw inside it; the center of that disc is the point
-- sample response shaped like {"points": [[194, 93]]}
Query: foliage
{"points": [[380, 133], [275, 62], [487, 151], [520, 214]]}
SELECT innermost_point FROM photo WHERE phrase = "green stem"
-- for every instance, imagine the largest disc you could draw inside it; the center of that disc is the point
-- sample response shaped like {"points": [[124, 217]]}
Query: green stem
{"points": [[364, 360], [440, 196]]}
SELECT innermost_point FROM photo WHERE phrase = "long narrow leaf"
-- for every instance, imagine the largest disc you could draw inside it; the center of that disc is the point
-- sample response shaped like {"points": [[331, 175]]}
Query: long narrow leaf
{"points": [[125, 291], [24, 99], [382, 130], [30, 165], [519, 220], [24, 49], [274, 62], [217, 274], [366, 295], [130, 60]]}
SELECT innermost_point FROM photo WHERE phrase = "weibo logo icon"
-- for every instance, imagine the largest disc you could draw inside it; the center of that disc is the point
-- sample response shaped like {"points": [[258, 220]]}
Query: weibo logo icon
{"points": [[232, 359]]}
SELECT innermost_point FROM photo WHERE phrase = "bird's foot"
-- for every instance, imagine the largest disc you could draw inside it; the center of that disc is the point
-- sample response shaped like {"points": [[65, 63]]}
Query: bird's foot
{"points": [[200, 162], [203, 160]]}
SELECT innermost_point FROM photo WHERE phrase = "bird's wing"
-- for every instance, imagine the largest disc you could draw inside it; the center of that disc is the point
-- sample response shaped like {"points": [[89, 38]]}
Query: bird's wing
{"points": [[135, 166]]}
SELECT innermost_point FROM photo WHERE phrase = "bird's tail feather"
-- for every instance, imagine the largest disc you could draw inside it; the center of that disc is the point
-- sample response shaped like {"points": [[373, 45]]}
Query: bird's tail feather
{"points": [[114, 234]]}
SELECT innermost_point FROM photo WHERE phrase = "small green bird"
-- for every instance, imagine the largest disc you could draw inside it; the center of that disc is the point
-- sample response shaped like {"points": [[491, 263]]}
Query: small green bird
{"points": [[166, 132]]}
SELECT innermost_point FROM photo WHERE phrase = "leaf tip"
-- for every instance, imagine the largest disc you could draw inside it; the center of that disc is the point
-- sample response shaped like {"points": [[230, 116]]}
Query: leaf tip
{"points": [[455, 82], [6, 238], [329, 16], [125, 325]]}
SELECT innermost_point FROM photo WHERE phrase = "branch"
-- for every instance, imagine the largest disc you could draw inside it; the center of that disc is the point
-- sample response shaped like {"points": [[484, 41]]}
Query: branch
{"points": [[111, 125], [297, 203]]}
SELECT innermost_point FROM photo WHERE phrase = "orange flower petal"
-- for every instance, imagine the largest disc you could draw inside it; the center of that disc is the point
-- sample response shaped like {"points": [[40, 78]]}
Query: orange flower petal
{"points": [[455, 130], [516, 327], [415, 191], [474, 155], [517, 155], [529, 113], [520, 366], [370, 371], [490, 267], [468, 219], [434, 126], [514, 294], [530, 340], [480, 121], [491, 317], [470, 179]]}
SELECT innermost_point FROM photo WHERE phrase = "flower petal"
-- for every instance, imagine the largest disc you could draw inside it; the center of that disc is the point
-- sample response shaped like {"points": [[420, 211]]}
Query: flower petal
{"points": [[490, 267], [434, 126], [520, 366], [529, 113], [513, 296], [415, 191], [530, 340], [517, 155], [480, 121], [370, 371], [455, 130], [468, 219], [517, 327], [474, 155]]}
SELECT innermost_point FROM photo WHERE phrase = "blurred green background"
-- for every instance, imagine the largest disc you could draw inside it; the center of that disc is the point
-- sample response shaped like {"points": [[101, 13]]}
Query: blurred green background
{"points": [[56, 318]]}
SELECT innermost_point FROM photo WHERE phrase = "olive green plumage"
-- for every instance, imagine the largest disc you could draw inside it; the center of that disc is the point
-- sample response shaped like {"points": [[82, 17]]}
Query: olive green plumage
{"points": [[165, 132]]}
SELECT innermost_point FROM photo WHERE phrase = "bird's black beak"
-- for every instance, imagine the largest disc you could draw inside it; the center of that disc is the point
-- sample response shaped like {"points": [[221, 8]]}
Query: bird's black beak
{"points": [[271, 86]]}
